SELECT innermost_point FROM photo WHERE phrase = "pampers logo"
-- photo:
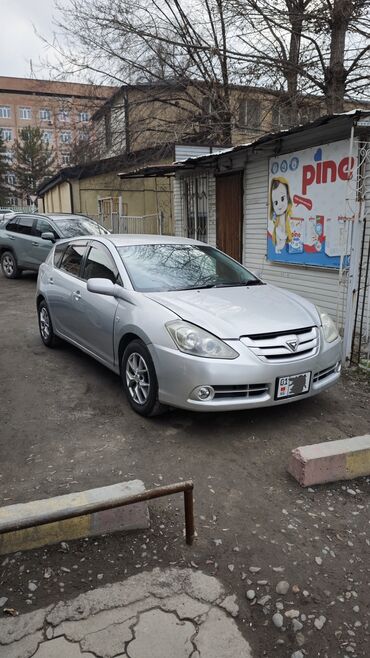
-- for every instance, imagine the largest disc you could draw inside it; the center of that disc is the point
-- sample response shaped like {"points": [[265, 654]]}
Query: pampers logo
{"points": [[324, 171]]}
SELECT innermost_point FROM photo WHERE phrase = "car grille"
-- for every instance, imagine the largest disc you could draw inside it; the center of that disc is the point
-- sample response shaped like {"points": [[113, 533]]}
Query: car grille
{"points": [[240, 391], [275, 346], [319, 376]]}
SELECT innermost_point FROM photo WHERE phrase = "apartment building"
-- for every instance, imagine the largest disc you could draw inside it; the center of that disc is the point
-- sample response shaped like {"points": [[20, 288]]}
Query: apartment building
{"points": [[142, 115], [62, 110]]}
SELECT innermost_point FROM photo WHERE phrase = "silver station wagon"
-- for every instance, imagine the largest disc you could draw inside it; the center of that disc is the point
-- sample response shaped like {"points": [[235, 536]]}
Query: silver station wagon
{"points": [[184, 325]]}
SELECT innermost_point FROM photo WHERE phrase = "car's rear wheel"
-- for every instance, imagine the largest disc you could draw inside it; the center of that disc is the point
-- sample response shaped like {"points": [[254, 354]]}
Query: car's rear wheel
{"points": [[45, 325], [140, 380], [9, 265]]}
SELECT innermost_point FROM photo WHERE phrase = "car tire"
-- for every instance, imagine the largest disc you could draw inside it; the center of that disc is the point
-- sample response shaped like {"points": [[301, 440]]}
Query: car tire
{"points": [[9, 265], [45, 325], [140, 380]]}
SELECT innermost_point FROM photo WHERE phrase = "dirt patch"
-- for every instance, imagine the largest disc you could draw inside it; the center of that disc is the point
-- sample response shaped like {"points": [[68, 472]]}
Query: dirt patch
{"points": [[65, 426]]}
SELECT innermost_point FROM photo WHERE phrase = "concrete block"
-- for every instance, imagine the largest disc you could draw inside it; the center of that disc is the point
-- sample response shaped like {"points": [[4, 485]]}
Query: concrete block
{"points": [[131, 517], [331, 461]]}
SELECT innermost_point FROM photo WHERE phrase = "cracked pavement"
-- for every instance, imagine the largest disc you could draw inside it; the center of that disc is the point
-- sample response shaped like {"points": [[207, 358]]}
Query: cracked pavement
{"points": [[159, 614]]}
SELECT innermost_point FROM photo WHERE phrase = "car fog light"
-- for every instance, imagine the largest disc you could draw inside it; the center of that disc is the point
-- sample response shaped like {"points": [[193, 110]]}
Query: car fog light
{"points": [[203, 393]]}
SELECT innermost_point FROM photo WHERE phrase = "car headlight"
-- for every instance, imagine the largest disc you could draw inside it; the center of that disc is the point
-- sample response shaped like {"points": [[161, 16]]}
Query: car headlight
{"points": [[191, 339], [328, 326]]}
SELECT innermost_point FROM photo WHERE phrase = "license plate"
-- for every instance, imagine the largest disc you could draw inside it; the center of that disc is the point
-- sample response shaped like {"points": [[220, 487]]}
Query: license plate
{"points": [[289, 387]]}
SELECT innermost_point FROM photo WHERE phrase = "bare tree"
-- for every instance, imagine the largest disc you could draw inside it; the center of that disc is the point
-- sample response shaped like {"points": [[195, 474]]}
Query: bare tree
{"points": [[193, 53], [313, 46], [181, 49]]}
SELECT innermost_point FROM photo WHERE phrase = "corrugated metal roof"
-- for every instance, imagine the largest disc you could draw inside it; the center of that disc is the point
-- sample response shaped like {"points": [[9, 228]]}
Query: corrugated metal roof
{"points": [[339, 120]]}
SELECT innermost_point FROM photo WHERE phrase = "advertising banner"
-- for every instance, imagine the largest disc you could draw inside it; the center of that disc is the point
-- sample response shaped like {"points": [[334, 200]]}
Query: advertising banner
{"points": [[309, 216]]}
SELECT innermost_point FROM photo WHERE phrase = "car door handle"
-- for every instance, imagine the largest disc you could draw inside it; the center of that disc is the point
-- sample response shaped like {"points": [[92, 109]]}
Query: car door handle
{"points": [[76, 295], [35, 244], [51, 281], [11, 237]]}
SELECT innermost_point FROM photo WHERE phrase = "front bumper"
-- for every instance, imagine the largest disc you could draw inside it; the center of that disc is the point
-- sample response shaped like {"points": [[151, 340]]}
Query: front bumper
{"points": [[179, 374]]}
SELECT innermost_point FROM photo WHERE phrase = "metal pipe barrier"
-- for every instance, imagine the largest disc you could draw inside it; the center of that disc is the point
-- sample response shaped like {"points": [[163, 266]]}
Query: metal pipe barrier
{"points": [[61, 515]]}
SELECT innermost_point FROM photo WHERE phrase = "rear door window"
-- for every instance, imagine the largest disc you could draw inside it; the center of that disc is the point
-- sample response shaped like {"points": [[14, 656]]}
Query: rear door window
{"points": [[58, 254], [25, 225], [12, 225], [72, 258]]}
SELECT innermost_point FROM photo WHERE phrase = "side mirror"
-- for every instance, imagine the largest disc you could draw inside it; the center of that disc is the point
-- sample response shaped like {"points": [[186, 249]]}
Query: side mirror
{"points": [[104, 287], [48, 235]]}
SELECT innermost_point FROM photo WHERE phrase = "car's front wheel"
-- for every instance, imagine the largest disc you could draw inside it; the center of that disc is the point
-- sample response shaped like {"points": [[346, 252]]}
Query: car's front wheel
{"points": [[140, 380], [45, 325], [9, 265]]}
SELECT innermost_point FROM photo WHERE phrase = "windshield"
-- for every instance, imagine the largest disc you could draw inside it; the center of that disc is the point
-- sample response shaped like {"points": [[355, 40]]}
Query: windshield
{"points": [[72, 227], [162, 267]]}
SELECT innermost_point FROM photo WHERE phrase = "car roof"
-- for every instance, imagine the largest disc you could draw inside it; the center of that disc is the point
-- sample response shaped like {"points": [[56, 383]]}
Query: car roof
{"points": [[53, 215], [126, 239]]}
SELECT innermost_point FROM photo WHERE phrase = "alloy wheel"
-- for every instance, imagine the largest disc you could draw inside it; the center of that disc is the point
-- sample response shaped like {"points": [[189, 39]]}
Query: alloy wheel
{"points": [[8, 265], [137, 378], [44, 323]]}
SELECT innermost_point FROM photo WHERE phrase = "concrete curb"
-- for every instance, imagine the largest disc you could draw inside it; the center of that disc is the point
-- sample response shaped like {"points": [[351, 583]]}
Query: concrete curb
{"points": [[132, 517], [331, 461]]}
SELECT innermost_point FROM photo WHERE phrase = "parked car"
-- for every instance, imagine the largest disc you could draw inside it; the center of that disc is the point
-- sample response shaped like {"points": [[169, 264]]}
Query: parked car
{"points": [[26, 239], [184, 325]]}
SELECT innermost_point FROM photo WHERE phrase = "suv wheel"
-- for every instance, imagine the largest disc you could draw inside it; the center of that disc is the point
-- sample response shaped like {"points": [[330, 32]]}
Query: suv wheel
{"points": [[9, 265]]}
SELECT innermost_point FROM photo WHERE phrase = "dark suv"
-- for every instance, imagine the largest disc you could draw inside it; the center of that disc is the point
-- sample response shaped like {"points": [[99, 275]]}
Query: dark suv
{"points": [[25, 240]]}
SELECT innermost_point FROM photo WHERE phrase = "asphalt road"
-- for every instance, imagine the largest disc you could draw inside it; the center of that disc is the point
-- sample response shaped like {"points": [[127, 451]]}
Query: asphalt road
{"points": [[66, 426]]}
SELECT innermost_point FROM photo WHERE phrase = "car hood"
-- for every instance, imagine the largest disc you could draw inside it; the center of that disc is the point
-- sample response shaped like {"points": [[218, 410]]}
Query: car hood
{"points": [[235, 312]]}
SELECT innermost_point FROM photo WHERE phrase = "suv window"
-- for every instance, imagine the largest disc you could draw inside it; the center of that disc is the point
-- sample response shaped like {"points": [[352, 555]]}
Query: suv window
{"points": [[100, 264], [43, 226], [25, 225], [12, 225], [72, 258]]}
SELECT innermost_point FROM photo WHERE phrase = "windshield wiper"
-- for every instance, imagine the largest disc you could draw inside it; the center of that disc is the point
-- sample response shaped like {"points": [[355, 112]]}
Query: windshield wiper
{"points": [[253, 282]]}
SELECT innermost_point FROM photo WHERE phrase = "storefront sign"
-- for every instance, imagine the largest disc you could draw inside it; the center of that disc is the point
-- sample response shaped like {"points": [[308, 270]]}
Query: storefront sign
{"points": [[311, 206]]}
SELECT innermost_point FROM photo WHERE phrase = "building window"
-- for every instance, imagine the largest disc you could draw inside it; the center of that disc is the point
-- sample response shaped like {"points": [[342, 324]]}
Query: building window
{"points": [[250, 113], [8, 156], [66, 158], [47, 136], [83, 135], [6, 134], [84, 116], [11, 201], [10, 179], [45, 114], [4, 112], [281, 117], [65, 137], [63, 115], [195, 207], [25, 113]]}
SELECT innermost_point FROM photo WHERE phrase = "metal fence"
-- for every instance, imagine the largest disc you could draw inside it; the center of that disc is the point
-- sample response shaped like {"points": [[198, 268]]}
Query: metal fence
{"points": [[22, 209], [144, 224]]}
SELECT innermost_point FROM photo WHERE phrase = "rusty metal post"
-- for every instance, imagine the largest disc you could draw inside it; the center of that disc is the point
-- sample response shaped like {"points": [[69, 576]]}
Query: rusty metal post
{"points": [[189, 515]]}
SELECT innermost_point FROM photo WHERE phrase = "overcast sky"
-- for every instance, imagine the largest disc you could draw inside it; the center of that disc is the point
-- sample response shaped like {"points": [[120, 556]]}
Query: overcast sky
{"points": [[18, 41]]}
